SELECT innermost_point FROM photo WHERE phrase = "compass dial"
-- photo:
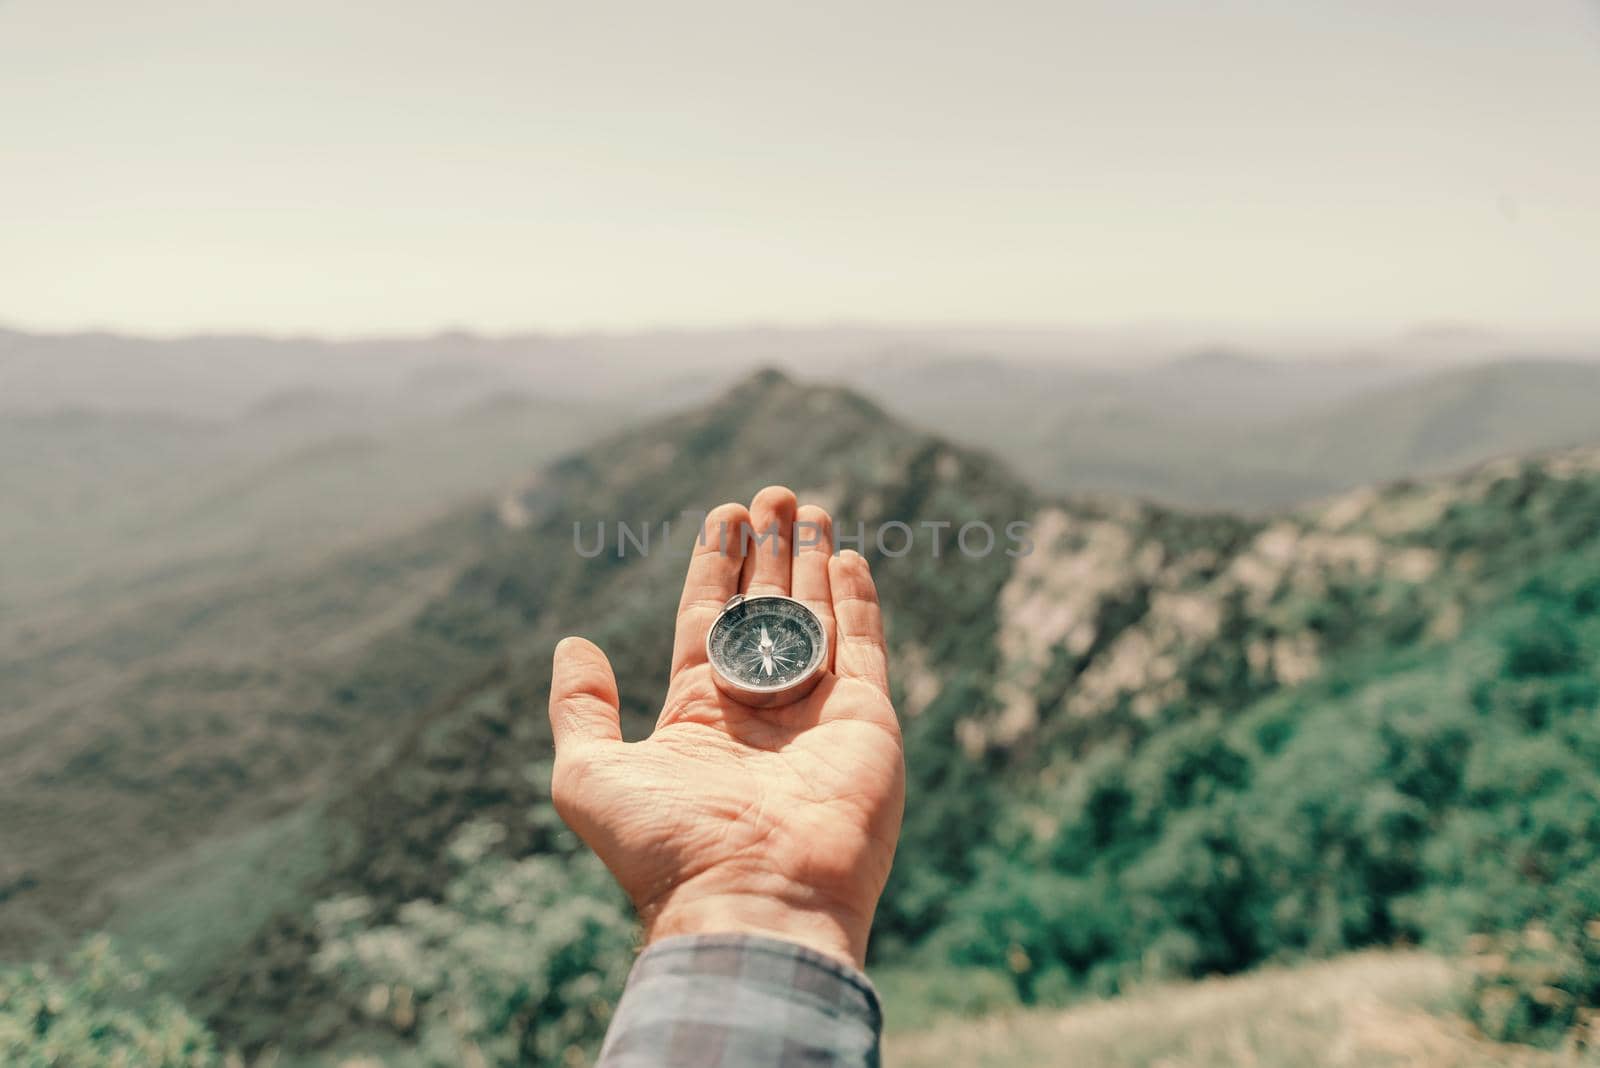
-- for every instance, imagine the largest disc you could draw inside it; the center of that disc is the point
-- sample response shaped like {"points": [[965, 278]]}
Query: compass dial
{"points": [[767, 650]]}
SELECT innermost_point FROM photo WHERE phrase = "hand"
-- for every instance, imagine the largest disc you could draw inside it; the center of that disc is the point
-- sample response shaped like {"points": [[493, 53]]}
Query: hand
{"points": [[727, 818]]}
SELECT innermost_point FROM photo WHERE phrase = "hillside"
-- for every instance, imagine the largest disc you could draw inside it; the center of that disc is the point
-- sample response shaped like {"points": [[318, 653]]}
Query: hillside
{"points": [[1130, 639], [1119, 744], [1376, 1010], [104, 506], [130, 736], [184, 603]]}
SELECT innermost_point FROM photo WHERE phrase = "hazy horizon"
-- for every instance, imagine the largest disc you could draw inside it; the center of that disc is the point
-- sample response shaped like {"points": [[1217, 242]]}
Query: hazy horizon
{"points": [[292, 169], [1127, 345]]}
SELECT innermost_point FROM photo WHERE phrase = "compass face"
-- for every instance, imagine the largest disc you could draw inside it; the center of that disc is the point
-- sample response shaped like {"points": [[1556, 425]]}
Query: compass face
{"points": [[767, 647]]}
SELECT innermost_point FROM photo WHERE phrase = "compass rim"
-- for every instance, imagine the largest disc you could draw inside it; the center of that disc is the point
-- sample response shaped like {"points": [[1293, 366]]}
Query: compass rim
{"points": [[737, 687]]}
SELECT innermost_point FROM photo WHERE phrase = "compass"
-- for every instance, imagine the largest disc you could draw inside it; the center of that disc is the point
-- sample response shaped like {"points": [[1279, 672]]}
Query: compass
{"points": [[766, 650]]}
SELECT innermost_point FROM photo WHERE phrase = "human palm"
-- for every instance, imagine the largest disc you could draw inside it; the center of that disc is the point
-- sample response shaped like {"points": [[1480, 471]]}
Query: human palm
{"points": [[779, 821]]}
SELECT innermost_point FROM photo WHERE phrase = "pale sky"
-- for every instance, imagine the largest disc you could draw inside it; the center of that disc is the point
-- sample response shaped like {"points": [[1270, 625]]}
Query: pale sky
{"points": [[331, 166]]}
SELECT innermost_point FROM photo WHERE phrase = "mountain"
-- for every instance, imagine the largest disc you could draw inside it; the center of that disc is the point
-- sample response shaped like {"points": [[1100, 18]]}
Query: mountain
{"points": [[1222, 430], [1128, 634], [1448, 420], [1157, 744], [181, 708]]}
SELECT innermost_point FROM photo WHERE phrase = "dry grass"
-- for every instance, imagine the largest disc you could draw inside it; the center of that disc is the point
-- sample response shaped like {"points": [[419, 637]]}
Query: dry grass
{"points": [[1371, 1010]]}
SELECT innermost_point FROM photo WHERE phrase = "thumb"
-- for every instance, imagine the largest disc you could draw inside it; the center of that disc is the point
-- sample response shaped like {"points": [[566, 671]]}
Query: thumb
{"points": [[583, 695]]}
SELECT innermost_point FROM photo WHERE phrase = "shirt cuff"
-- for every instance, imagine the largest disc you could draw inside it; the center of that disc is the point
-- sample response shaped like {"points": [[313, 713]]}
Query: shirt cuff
{"points": [[710, 1001]]}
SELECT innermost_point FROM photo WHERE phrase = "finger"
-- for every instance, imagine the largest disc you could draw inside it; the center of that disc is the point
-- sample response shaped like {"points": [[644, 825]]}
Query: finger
{"points": [[768, 554], [813, 546], [583, 695], [861, 654], [713, 577]]}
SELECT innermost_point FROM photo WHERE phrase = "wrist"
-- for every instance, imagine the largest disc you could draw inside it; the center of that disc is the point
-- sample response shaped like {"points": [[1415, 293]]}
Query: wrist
{"points": [[830, 930]]}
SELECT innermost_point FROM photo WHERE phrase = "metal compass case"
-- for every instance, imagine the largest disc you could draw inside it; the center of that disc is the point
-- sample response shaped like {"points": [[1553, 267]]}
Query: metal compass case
{"points": [[766, 650]]}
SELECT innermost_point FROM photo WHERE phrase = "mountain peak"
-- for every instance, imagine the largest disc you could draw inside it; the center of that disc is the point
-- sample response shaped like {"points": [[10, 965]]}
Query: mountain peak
{"points": [[764, 386], [772, 393], [767, 378]]}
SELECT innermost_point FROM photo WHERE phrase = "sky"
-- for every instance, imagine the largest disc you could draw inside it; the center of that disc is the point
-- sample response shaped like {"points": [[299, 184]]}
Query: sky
{"points": [[175, 166]]}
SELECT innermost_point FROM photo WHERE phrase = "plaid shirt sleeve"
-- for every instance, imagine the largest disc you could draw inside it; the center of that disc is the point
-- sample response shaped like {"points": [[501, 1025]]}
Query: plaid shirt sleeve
{"points": [[730, 1001]]}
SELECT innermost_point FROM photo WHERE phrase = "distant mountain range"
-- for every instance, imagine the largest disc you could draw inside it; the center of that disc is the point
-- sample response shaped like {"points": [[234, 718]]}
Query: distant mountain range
{"points": [[1220, 431], [1212, 427]]}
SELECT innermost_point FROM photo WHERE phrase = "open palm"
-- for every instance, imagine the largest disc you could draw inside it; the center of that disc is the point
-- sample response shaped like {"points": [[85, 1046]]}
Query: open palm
{"points": [[779, 821]]}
